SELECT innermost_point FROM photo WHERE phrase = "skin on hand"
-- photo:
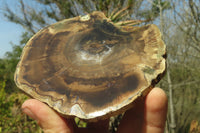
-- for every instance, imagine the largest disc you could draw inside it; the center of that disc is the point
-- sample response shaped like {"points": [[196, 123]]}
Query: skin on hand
{"points": [[147, 116]]}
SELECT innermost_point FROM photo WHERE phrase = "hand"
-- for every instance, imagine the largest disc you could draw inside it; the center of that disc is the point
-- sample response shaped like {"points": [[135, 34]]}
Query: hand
{"points": [[145, 117]]}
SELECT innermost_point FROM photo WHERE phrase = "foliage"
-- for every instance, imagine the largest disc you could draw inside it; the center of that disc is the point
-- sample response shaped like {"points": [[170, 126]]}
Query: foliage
{"points": [[8, 64], [181, 34], [155, 9], [11, 117], [33, 19], [185, 96]]}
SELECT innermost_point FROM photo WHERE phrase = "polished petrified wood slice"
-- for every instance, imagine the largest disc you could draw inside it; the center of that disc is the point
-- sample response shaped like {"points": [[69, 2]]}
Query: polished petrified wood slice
{"points": [[89, 67]]}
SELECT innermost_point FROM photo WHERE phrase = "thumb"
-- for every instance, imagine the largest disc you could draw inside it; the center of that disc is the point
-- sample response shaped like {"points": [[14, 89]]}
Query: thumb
{"points": [[47, 118]]}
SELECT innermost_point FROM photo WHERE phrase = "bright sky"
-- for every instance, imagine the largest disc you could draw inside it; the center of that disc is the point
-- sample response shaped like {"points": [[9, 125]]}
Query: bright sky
{"points": [[9, 32]]}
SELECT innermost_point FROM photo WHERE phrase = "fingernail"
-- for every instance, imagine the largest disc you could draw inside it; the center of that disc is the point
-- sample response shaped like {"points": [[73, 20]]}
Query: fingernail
{"points": [[29, 113]]}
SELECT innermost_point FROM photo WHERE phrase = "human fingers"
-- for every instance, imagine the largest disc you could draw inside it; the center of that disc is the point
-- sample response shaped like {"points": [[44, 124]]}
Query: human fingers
{"points": [[47, 118], [147, 115], [155, 111], [132, 121]]}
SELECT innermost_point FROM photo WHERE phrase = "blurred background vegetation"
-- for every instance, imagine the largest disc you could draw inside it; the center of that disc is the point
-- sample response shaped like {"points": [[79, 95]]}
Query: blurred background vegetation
{"points": [[178, 20]]}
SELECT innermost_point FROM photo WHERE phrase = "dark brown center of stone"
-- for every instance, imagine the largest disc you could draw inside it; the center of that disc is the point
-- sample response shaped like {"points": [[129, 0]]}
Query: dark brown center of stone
{"points": [[101, 38]]}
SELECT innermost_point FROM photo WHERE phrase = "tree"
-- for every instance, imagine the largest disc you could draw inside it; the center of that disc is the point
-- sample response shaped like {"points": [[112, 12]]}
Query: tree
{"points": [[37, 14], [183, 61], [187, 20]]}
